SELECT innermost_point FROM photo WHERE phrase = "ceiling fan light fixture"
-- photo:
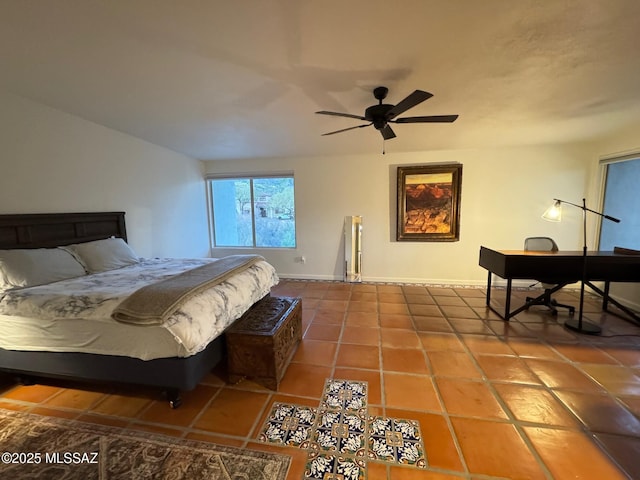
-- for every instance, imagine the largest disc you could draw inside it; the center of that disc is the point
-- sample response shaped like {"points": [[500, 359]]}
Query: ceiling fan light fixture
{"points": [[379, 124], [382, 114]]}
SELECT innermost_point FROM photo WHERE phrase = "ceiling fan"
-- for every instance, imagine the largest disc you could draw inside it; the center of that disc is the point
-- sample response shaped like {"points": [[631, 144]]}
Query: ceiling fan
{"points": [[382, 114]]}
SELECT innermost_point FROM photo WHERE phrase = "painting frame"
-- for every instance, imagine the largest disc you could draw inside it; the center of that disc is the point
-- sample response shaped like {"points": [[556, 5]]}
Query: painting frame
{"points": [[429, 203]]}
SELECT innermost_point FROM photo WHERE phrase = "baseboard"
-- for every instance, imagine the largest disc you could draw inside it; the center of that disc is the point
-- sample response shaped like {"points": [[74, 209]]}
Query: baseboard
{"points": [[295, 276], [634, 306], [424, 281], [388, 280], [495, 282]]}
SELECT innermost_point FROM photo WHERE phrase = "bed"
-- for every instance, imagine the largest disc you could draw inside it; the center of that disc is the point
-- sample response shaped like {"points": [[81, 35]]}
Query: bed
{"points": [[160, 357]]}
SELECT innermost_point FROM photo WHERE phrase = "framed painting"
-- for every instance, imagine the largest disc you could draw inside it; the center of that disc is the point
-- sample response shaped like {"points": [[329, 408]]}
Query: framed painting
{"points": [[429, 203]]}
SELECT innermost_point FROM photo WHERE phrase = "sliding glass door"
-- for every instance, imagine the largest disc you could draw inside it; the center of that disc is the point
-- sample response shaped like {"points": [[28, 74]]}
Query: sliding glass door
{"points": [[621, 200]]}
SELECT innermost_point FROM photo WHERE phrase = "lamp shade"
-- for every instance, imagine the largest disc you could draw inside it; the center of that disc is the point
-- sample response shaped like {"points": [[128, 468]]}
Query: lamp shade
{"points": [[554, 212]]}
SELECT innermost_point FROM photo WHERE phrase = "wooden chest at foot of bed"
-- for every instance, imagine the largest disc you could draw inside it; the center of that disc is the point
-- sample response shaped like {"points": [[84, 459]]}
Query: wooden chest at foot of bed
{"points": [[260, 344]]}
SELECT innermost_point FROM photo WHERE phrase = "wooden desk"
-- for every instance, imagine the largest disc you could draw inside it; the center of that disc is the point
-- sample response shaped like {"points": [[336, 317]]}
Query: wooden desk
{"points": [[561, 268]]}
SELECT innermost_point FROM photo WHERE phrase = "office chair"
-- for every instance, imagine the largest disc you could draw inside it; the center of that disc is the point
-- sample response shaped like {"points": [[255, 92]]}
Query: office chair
{"points": [[545, 244]]}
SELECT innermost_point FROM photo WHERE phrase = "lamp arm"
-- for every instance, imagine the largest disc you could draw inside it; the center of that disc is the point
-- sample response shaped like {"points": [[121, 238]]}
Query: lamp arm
{"points": [[608, 217], [583, 207]]}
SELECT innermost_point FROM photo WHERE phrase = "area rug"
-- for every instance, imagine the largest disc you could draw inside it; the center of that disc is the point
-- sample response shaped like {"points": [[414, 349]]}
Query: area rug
{"points": [[36, 447], [341, 437]]}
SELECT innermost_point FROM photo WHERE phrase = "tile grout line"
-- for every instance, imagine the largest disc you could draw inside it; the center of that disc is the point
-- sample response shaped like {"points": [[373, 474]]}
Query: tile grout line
{"points": [[512, 419], [445, 412]]}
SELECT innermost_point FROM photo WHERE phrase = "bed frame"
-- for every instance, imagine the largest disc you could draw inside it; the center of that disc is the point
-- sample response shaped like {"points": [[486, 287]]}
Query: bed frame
{"points": [[172, 375]]}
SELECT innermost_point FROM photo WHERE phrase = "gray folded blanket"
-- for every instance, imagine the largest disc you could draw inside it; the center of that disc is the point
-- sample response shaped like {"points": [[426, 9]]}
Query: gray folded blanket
{"points": [[154, 303]]}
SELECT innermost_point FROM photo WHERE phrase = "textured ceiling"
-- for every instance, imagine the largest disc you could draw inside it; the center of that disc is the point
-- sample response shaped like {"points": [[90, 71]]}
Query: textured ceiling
{"points": [[238, 79]]}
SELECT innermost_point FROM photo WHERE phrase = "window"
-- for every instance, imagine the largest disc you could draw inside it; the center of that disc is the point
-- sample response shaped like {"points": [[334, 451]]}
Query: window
{"points": [[253, 212]]}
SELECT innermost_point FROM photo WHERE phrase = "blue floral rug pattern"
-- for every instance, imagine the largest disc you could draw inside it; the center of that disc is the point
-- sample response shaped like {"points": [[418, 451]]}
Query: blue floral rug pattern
{"points": [[341, 437]]}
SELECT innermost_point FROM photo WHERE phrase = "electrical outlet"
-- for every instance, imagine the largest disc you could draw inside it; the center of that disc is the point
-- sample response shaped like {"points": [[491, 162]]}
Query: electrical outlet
{"points": [[301, 259]]}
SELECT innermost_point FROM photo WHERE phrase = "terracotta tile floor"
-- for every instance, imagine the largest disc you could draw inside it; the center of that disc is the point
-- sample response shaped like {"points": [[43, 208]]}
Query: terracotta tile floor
{"points": [[527, 399]]}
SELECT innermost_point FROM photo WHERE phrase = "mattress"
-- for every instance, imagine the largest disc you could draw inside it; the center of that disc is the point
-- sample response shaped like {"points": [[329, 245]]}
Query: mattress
{"points": [[75, 315]]}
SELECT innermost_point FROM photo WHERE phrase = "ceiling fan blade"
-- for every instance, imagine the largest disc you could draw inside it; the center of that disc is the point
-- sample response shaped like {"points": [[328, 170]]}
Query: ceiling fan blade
{"points": [[428, 119], [336, 114], [387, 133], [411, 101], [346, 129]]}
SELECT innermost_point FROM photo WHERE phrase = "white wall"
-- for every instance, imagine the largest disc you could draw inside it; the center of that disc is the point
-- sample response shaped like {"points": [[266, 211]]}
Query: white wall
{"points": [[504, 193], [55, 162]]}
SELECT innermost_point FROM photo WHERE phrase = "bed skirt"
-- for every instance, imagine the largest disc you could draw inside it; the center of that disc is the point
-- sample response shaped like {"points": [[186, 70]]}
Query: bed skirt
{"points": [[171, 373]]}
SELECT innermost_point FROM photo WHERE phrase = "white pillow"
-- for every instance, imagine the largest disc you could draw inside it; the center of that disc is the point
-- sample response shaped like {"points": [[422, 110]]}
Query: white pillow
{"points": [[102, 255], [38, 266]]}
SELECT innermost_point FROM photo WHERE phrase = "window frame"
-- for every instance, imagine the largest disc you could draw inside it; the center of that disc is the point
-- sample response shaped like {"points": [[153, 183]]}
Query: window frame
{"points": [[251, 177]]}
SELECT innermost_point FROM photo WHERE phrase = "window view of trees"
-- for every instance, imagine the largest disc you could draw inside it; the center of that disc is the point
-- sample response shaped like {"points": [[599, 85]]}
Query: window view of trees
{"points": [[254, 212]]}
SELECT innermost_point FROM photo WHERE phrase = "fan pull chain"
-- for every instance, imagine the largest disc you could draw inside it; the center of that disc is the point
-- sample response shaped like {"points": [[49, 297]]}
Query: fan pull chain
{"points": [[383, 152]]}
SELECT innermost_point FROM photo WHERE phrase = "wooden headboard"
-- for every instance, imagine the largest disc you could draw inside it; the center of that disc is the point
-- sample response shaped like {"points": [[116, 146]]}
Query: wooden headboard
{"points": [[45, 230]]}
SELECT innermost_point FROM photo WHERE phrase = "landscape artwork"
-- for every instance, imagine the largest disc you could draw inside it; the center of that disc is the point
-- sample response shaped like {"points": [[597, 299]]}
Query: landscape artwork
{"points": [[428, 203]]}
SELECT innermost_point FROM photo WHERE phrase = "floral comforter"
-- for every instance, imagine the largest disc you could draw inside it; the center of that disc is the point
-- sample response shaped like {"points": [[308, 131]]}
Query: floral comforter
{"points": [[94, 297]]}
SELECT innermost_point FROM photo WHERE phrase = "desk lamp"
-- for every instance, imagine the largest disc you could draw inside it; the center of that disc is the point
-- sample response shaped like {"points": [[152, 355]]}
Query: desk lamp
{"points": [[554, 214]]}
